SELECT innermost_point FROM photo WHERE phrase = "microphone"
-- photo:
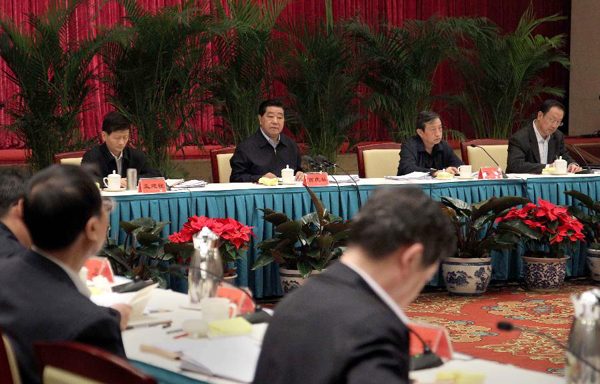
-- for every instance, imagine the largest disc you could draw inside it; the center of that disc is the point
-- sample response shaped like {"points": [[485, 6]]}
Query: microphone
{"points": [[327, 163], [428, 359], [507, 326], [312, 162], [490, 156], [587, 165]]}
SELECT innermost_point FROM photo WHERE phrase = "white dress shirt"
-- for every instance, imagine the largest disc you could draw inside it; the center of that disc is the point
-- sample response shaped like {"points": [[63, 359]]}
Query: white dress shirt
{"points": [[119, 161], [542, 145], [273, 143]]}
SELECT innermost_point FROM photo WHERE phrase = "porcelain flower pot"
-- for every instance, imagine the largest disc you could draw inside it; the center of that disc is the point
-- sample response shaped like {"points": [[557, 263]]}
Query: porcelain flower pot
{"points": [[467, 276], [291, 279], [544, 274], [593, 261]]}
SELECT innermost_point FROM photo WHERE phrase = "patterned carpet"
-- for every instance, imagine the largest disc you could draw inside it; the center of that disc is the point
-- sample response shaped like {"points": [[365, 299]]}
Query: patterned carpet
{"points": [[472, 321]]}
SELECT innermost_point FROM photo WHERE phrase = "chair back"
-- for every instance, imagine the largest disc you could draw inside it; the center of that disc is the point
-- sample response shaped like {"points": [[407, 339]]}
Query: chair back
{"points": [[477, 158], [73, 157], [70, 363], [9, 369], [378, 160], [219, 162]]}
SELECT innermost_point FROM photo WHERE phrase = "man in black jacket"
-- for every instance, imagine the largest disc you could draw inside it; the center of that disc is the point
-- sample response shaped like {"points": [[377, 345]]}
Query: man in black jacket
{"points": [[42, 297], [268, 151], [14, 235], [428, 152], [540, 143], [114, 154], [346, 325]]}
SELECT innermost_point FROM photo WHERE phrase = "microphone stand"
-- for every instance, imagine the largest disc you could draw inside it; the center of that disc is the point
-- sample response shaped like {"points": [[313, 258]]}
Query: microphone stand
{"points": [[490, 156], [328, 163]]}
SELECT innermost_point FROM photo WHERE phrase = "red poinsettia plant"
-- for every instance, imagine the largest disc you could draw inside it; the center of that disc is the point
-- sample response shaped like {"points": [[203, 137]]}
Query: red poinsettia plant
{"points": [[235, 236], [543, 224]]}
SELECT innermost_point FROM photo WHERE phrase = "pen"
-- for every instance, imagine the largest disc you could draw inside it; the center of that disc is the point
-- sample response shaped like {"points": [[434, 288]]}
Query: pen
{"points": [[174, 331], [180, 336]]}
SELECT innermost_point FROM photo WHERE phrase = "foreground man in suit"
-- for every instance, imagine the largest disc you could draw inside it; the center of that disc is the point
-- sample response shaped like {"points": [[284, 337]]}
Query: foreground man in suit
{"points": [[346, 325], [14, 235], [42, 297], [540, 142]]}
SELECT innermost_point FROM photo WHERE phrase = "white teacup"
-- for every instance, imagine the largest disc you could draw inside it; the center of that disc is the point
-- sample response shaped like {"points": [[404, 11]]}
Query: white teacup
{"points": [[217, 308], [465, 170], [113, 181], [560, 166]]}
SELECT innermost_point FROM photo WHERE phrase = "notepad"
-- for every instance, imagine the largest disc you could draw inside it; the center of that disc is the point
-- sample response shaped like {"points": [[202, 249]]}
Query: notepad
{"points": [[229, 327]]}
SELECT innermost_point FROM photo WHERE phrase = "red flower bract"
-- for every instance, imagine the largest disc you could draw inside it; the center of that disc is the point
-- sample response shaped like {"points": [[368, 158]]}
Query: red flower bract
{"points": [[229, 229]]}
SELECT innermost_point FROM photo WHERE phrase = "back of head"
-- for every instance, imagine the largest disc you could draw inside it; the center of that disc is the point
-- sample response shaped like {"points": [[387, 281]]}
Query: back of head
{"points": [[114, 121], [12, 188], [425, 117], [262, 108], [58, 204], [548, 104], [396, 217]]}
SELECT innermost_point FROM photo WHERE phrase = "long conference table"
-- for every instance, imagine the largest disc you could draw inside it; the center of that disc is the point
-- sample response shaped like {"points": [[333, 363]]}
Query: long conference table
{"points": [[241, 201]]}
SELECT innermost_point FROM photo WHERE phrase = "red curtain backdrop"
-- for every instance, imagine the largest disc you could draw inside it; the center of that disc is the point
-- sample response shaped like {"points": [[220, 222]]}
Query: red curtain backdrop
{"points": [[505, 13]]}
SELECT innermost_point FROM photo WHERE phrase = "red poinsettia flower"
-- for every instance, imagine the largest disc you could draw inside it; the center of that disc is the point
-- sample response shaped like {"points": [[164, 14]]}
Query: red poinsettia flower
{"points": [[229, 229]]}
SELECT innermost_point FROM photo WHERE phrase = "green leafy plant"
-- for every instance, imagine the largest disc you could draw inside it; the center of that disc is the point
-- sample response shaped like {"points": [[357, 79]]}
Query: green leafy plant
{"points": [[474, 224], [591, 220], [501, 73], [159, 73], [53, 75], [144, 254], [307, 244]]}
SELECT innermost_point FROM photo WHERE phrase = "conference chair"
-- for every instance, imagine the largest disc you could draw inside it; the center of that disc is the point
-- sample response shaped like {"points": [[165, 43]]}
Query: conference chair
{"points": [[9, 370], [219, 162], [73, 157], [70, 363], [378, 160], [477, 158]]}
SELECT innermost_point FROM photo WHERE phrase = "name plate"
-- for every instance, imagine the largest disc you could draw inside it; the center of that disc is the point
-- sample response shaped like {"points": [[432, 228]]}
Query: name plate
{"points": [[490, 173], [99, 266], [319, 179], [152, 185]]}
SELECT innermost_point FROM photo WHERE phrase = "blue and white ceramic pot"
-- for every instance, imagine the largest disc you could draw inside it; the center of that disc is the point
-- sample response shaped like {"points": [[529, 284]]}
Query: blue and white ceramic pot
{"points": [[467, 276], [291, 279], [544, 274], [593, 261]]}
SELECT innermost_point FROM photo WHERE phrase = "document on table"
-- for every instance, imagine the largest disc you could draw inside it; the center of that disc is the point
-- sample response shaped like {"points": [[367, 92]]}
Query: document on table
{"points": [[344, 178], [411, 176]]}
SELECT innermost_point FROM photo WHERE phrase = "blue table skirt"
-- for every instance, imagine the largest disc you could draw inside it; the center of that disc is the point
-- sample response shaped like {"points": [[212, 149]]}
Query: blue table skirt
{"points": [[295, 202]]}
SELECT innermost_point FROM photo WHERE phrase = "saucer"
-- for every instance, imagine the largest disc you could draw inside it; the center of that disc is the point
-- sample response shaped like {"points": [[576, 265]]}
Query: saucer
{"points": [[560, 173], [465, 177], [114, 190]]}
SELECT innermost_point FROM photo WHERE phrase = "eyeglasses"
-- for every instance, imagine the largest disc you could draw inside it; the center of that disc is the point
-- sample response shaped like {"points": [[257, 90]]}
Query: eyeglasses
{"points": [[108, 204], [558, 123]]}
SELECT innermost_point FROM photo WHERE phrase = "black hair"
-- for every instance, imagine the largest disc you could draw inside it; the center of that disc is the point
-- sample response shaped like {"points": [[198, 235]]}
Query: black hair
{"points": [[262, 108], [114, 121], [13, 184], [397, 217], [58, 204], [550, 103], [425, 117]]}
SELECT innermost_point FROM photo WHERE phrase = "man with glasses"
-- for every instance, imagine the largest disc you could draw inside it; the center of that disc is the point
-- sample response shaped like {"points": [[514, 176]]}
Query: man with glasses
{"points": [[42, 297], [540, 142], [428, 151]]}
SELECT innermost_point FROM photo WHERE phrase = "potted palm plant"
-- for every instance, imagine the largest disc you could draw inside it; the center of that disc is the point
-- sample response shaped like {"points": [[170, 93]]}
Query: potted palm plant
{"points": [[591, 222], [547, 233], [469, 273], [302, 247]]}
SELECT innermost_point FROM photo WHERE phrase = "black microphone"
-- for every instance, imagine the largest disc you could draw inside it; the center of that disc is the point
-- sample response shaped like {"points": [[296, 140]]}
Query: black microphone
{"points": [[427, 359], [326, 162], [506, 326], [587, 165], [312, 162], [490, 156]]}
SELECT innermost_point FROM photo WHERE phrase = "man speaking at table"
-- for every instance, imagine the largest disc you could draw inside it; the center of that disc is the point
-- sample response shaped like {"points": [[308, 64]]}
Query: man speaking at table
{"points": [[346, 325], [268, 151], [114, 154], [539, 142], [42, 297], [428, 151]]}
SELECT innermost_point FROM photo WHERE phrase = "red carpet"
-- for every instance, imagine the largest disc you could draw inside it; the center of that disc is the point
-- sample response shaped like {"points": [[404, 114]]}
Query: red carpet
{"points": [[472, 321]]}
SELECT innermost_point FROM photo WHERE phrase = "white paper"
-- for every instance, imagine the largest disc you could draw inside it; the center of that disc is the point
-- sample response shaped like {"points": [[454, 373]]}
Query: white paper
{"points": [[343, 178], [411, 176]]}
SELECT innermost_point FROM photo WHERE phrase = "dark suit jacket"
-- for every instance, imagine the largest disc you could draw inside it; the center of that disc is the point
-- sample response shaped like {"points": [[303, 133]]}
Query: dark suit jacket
{"points": [[9, 244], [39, 302], [524, 153], [132, 158], [415, 158], [255, 157], [334, 329]]}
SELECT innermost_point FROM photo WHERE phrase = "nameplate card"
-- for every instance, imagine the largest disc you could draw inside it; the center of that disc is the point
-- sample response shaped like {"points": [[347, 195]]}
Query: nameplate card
{"points": [[490, 173], [317, 179], [99, 266], [152, 185]]}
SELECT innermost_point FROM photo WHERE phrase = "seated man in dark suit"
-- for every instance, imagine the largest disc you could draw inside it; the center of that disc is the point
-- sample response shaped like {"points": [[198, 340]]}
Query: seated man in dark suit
{"points": [[268, 151], [539, 142], [14, 235], [428, 152], [346, 325], [114, 154], [42, 297]]}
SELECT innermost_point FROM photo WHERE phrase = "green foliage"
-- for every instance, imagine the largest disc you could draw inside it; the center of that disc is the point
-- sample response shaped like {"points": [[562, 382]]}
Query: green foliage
{"points": [[474, 224], [590, 219], [502, 75], [247, 54], [144, 254], [53, 76], [158, 74], [305, 244]]}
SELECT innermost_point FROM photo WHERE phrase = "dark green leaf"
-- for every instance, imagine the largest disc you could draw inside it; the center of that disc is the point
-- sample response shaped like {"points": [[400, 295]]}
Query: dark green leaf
{"points": [[289, 228], [148, 238], [263, 260], [318, 205], [304, 268]]}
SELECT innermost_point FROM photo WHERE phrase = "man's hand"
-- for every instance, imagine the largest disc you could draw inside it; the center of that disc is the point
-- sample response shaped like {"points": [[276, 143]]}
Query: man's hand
{"points": [[574, 167], [125, 311], [123, 182], [452, 170], [299, 175]]}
